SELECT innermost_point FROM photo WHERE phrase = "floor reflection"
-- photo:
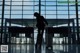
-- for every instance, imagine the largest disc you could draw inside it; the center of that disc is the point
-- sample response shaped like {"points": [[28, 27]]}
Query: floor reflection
{"points": [[55, 49]]}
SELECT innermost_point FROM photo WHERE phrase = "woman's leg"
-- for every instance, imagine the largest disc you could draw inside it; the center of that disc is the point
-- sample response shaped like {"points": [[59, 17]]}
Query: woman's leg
{"points": [[38, 38], [41, 37]]}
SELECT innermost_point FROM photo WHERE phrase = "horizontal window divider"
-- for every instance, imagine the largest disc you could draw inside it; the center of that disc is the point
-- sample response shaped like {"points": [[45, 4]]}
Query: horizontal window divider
{"points": [[41, 5], [35, 10], [29, 1], [18, 14], [19, 10], [42, 14]]}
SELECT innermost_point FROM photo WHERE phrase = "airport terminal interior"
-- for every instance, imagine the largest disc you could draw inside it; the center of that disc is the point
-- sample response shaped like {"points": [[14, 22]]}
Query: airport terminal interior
{"points": [[18, 25]]}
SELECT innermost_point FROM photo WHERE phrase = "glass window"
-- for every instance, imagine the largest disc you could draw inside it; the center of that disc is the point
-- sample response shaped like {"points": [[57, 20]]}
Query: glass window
{"points": [[43, 12], [62, 8], [29, 8], [0, 12], [62, 2], [50, 7], [51, 16], [16, 3], [28, 12], [50, 12], [16, 16], [16, 12], [16, 0], [28, 16], [36, 3], [72, 12], [73, 16], [72, 7], [49, 0], [62, 12], [16, 8], [0, 2], [79, 2], [36, 8], [6, 16], [7, 8], [0, 8], [7, 3], [43, 8], [0, 15], [28, 3], [62, 16], [50, 3]]}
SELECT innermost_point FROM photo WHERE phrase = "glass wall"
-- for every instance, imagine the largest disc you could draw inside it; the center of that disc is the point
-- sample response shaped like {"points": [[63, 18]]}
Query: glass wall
{"points": [[50, 9], [24, 9], [57, 9]]}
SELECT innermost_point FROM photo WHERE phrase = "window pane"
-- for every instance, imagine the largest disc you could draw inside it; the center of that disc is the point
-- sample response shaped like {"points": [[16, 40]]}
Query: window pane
{"points": [[28, 3], [6, 16], [50, 12], [51, 16], [28, 16], [16, 7], [62, 8], [28, 12], [50, 3], [72, 7], [72, 12], [16, 12], [16, 3], [50, 8], [28, 8], [6, 12], [62, 16], [16, 16], [16, 0], [7, 3], [0, 12], [62, 12], [7, 8]]}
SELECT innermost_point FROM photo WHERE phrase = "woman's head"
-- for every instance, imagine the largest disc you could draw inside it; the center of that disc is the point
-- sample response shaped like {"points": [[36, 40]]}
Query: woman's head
{"points": [[36, 14]]}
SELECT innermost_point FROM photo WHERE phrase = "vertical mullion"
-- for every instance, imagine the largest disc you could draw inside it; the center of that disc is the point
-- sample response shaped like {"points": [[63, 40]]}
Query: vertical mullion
{"points": [[3, 4], [10, 11], [77, 21], [22, 19], [45, 8], [33, 11], [40, 6], [45, 29], [56, 9], [56, 16], [10, 25], [69, 23], [22, 10], [10, 19]]}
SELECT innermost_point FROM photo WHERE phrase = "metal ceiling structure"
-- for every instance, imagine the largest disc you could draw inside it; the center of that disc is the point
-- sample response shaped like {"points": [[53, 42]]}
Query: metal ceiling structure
{"points": [[32, 22]]}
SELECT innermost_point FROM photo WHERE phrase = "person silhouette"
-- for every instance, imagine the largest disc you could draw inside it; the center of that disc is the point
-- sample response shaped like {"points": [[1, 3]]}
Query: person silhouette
{"points": [[41, 23]]}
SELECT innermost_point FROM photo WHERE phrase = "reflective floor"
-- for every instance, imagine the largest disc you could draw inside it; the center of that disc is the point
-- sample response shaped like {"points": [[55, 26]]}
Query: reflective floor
{"points": [[56, 49]]}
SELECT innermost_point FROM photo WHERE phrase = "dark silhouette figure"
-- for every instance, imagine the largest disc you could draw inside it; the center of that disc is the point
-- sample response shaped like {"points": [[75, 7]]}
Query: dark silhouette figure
{"points": [[41, 23]]}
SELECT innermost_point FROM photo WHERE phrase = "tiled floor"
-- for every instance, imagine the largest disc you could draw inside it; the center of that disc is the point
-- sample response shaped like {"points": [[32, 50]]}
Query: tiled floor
{"points": [[56, 49]]}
